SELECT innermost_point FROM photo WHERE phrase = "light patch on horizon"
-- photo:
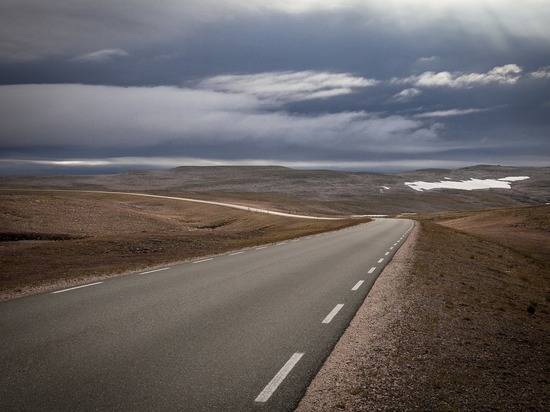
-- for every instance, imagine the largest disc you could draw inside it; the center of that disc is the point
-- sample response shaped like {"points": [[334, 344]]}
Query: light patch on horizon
{"points": [[472, 184]]}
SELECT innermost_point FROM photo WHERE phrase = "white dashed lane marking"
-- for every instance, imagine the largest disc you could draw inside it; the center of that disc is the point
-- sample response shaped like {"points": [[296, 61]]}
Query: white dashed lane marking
{"points": [[333, 313], [278, 378], [372, 269], [153, 271], [204, 260], [358, 285], [77, 287]]}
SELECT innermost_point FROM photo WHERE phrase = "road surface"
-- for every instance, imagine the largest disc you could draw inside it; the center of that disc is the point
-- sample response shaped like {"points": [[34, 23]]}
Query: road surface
{"points": [[246, 330]]}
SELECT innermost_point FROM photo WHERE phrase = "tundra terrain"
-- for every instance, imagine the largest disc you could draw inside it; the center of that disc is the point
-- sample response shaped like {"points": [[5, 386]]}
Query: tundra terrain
{"points": [[460, 319], [316, 191]]}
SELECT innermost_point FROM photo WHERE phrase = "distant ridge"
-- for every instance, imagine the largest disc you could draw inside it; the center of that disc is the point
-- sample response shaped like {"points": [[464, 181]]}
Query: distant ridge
{"points": [[267, 168], [325, 191]]}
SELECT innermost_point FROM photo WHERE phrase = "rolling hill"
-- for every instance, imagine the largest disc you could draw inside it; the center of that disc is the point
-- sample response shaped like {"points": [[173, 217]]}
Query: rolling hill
{"points": [[321, 191]]}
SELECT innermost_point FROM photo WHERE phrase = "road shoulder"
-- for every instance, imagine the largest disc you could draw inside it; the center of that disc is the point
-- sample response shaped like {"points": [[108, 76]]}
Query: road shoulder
{"points": [[367, 344], [464, 325]]}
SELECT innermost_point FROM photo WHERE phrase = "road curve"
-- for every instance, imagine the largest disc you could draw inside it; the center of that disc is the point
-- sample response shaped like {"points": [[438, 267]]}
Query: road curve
{"points": [[243, 331], [188, 199]]}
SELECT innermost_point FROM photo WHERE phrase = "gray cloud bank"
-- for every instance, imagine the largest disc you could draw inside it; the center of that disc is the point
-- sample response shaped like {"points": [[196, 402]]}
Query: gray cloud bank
{"points": [[150, 118]]}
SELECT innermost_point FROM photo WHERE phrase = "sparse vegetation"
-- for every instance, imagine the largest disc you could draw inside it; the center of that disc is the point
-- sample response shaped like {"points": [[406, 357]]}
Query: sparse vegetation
{"points": [[486, 351], [48, 239], [314, 191]]}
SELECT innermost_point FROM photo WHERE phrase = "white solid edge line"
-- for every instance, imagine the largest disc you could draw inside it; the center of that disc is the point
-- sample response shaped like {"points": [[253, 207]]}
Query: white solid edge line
{"points": [[204, 260], [279, 378], [77, 287], [235, 253], [261, 247], [153, 271], [333, 313], [358, 285], [372, 269]]}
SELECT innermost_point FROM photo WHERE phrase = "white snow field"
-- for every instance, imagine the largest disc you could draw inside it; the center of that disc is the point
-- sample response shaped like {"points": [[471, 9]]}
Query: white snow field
{"points": [[472, 184]]}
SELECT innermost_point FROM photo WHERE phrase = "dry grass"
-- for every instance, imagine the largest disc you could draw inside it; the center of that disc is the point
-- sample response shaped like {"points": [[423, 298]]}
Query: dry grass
{"points": [[483, 336], [76, 237], [524, 229]]}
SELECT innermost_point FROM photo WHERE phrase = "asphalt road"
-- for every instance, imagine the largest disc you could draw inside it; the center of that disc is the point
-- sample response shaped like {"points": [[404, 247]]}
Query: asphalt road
{"points": [[237, 332]]}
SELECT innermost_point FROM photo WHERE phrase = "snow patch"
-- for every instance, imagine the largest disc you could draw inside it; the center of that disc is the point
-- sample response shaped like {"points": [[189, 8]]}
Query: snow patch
{"points": [[472, 184], [514, 178]]}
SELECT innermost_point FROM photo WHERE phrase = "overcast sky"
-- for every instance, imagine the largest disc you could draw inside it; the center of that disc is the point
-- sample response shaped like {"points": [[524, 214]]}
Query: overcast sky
{"points": [[371, 85]]}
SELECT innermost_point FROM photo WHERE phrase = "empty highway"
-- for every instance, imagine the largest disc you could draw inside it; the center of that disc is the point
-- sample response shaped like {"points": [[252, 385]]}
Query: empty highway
{"points": [[246, 330]]}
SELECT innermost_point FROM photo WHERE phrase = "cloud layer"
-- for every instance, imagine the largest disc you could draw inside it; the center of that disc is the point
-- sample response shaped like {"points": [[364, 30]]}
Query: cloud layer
{"points": [[186, 120]]}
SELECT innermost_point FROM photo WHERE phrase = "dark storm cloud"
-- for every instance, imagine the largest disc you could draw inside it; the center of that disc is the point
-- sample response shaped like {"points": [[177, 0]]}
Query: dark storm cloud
{"points": [[293, 82]]}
